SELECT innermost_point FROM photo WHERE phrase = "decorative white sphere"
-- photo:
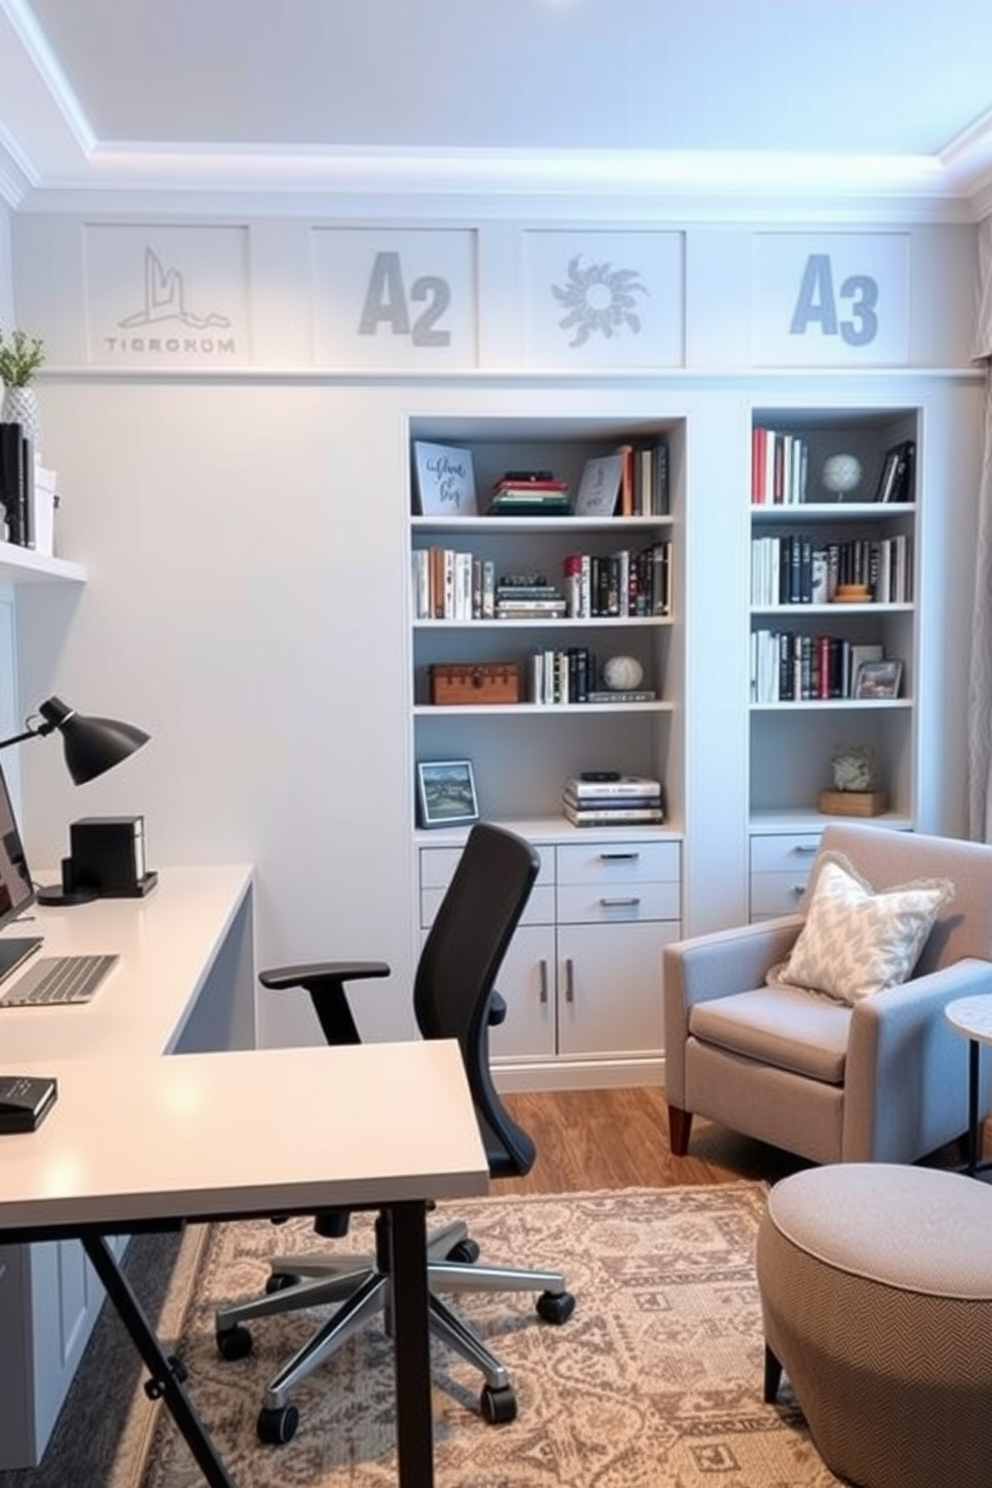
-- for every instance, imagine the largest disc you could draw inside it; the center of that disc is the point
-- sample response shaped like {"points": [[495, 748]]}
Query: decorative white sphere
{"points": [[623, 673], [841, 473]]}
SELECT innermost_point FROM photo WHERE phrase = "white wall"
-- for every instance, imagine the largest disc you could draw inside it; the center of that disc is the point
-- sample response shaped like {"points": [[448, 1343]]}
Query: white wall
{"points": [[245, 537]]}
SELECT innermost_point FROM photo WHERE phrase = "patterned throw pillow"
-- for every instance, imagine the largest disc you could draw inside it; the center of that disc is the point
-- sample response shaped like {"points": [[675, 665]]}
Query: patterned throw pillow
{"points": [[856, 942]]}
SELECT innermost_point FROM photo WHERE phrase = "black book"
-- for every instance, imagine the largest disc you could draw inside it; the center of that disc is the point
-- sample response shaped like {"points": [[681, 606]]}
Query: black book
{"points": [[13, 482]]}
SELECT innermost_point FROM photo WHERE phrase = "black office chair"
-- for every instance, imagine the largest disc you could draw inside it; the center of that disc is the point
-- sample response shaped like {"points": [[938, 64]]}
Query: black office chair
{"points": [[454, 997]]}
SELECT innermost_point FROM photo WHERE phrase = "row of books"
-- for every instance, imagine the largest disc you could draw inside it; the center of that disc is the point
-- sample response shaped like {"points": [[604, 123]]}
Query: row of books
{"points": [[571, 675], [626, 583], [613, 800], [779, 468], [631, 481], [452, 585], [798, 570], [789, 667]]}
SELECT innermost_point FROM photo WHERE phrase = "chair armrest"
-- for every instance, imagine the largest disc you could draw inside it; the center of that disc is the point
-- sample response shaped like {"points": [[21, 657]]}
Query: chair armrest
{"points": [[309, 973], [906, 1080], [325, 981], [716, 965]]}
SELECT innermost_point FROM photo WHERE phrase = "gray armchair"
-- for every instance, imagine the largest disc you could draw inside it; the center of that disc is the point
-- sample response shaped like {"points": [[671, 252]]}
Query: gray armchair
{"points": [[883, 1081]]}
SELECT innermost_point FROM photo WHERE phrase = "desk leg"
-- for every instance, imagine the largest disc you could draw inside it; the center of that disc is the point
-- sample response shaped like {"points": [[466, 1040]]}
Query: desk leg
{"points": [[156, 1361], [414, 1415]]}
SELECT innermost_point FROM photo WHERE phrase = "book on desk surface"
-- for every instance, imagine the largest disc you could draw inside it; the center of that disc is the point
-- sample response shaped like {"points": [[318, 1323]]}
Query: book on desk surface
{"points": [[25, 1101]]}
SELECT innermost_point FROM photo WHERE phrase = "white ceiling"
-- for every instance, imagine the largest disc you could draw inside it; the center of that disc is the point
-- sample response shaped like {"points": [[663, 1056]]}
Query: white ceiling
{"points": [[878, 100]]}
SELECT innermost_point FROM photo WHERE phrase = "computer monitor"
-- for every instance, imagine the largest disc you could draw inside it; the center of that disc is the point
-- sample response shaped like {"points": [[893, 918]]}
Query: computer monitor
{"points": [[16, 888]]}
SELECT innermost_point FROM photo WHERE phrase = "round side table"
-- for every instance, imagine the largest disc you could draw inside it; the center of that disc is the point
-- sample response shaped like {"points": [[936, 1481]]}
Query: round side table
{"points": [[972, 1017]]}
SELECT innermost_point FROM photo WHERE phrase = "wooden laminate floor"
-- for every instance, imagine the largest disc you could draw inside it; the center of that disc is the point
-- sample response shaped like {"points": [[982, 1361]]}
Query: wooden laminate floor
{"points": [[618, 1138], [594, 1139]]}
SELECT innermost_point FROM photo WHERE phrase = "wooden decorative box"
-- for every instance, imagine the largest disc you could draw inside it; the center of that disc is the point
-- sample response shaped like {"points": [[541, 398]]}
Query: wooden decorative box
{"points": [[851, 803], [469, 683]]}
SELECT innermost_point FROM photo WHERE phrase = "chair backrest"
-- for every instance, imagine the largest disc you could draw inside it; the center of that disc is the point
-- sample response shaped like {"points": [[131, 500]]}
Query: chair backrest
{"points": [[887, 858], [458, 967]]}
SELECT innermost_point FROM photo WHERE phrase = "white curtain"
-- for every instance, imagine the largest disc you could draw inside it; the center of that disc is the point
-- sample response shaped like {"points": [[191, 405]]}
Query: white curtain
{"points": [[980, 682]]}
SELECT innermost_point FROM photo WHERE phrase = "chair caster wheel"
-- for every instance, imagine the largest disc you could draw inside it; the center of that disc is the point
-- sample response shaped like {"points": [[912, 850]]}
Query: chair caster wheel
{"points": [[498, 1406], [277, 1427], [234, 1343], [280, 1281], [555, 1307], [465, 1253]]}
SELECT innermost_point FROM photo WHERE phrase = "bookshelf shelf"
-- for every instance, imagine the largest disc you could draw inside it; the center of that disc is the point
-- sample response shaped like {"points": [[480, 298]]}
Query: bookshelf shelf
{"points": [[581, 978], [806, 644]]}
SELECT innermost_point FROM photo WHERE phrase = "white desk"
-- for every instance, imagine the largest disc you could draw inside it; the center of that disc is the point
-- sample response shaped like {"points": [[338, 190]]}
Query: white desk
{"points": [[278, 1131], [186, 982]]}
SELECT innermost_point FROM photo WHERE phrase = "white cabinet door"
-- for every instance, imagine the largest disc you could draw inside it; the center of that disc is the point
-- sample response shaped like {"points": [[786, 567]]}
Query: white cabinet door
{"points": [[526, 982], [609, 987]]}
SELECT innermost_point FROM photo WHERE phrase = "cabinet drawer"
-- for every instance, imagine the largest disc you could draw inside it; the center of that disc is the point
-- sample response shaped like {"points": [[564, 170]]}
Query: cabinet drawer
{"points": [[603, 863], [603, 903], [539, 910], [776, 893], [437, 864], [786, 852]]}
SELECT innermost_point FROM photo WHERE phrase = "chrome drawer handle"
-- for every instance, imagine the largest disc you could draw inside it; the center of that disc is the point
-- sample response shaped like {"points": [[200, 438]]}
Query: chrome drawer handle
{"points": [[803, 852], [619, 857], [569, 980], [543, 995], [620, 903]]}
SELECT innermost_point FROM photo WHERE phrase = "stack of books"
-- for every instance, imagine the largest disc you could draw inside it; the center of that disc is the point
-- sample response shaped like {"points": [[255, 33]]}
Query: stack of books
{"points": [[613, 801], [529, 493], [528, 597]]}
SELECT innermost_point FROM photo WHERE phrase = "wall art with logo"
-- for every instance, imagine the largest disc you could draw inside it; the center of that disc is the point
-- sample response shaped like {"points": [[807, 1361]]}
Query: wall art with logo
{"points": [[394, 299], [603, 299], [830, 299], [163, 296]]}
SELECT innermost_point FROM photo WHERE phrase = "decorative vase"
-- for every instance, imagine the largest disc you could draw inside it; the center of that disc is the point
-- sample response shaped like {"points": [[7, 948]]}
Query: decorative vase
{"points": [[20, 406]]}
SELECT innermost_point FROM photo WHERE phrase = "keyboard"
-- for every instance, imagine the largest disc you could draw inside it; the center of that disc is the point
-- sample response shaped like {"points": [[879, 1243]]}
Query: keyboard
{"points": [[56, 980]]}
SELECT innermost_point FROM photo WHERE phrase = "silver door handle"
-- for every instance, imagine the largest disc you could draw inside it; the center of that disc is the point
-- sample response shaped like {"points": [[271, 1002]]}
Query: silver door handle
{"points": [[620, 903], [619, 857], [543, 974], [569, 980]]}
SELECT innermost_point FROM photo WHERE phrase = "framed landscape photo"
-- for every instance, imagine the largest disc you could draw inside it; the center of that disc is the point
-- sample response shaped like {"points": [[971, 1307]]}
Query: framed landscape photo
{"points": [[445, 480], [878, 679], [446, 793]]}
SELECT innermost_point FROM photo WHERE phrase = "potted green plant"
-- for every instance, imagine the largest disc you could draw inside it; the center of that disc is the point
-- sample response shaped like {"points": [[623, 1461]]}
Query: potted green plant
{"points": [[20, 357]]}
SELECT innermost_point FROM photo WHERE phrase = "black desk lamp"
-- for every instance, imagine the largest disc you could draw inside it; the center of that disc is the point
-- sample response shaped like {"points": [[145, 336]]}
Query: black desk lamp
{"points": [[92, 746]]}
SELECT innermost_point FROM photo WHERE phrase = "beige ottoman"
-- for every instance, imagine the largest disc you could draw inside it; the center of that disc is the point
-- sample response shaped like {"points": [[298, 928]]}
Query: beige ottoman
{"points": [[876, 1293]]}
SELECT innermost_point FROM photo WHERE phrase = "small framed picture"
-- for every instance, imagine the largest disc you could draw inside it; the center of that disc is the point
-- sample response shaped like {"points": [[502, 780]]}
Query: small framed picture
{"points": [[446, 793], [878, 679], [445, 480]]}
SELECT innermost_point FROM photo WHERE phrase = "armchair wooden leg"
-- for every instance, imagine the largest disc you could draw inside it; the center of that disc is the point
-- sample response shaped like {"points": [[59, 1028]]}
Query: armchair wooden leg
{"points": [[679, 1127]]}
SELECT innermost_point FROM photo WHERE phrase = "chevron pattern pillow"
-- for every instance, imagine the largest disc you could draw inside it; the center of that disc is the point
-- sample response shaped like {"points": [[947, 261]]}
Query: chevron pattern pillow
{"points": [[856, 942]]}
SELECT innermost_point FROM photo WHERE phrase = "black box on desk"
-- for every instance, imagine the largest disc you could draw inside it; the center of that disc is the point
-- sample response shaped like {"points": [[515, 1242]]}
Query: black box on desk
{"points": [[107, 854]]}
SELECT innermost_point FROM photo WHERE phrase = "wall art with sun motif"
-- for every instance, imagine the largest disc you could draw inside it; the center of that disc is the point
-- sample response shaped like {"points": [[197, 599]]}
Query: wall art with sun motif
{"points": [[603, 299]]}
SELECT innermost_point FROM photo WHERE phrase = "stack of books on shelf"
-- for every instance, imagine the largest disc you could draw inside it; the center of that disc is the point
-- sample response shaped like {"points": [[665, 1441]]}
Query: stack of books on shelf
{"points": [[529, 493], [612, 800], [528, 597], [17, 494]]}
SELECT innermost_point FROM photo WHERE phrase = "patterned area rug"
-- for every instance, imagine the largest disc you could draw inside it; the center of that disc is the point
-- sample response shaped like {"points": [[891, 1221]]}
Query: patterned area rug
{"points": [[656, 1380]]}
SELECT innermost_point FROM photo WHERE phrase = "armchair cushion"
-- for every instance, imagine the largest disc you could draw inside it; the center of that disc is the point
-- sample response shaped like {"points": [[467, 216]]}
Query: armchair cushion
{"points": [[781, 1026], [856, 942]]}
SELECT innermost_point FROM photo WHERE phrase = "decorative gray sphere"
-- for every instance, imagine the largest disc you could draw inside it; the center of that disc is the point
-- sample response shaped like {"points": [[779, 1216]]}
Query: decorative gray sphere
{"points": [[841, 473], [623, 673]]}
